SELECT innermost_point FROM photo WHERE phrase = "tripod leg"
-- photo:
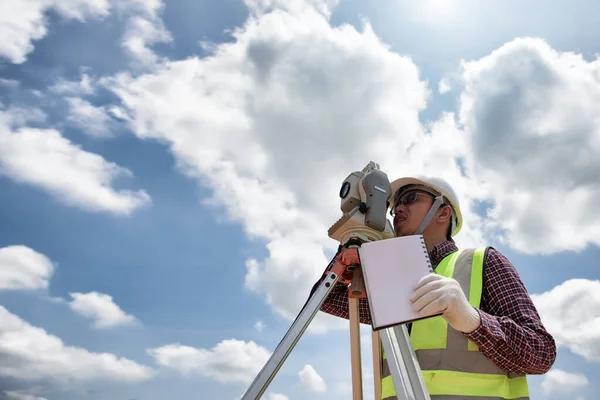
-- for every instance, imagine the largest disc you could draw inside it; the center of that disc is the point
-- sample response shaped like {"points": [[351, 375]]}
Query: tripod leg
{"points": [[403, 364], [289, 341], [411, 363], [376, 364], [357, 384]]}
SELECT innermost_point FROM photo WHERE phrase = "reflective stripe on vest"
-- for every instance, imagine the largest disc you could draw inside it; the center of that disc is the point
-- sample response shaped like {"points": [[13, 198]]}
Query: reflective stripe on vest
{"points": [[453, 367]]}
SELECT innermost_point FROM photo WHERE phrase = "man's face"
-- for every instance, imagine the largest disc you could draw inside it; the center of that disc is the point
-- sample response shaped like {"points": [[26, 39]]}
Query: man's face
{"points": [[410, 210]]}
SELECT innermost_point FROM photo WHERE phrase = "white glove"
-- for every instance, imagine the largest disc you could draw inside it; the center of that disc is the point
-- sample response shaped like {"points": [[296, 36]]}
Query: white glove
{"points": [[437, 294]]}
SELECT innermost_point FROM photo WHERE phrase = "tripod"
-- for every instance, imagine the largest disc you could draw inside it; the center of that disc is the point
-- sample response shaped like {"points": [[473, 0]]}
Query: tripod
{"points": [[365, 197], [401, 358]]}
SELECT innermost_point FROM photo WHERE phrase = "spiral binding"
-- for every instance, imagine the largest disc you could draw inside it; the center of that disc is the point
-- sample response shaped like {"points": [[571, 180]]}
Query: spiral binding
{"points": [[426, 254]]}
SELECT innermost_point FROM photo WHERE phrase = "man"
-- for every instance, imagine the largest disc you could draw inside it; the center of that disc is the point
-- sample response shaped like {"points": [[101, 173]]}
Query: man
{"points": [[489, 336]]}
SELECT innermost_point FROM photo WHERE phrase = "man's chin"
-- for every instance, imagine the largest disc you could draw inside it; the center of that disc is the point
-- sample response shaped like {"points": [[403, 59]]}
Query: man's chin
{"points": [[402, 231]]}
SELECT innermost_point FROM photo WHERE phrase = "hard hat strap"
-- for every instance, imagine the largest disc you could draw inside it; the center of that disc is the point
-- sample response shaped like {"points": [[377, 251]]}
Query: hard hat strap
{"points": [[439, 200]]}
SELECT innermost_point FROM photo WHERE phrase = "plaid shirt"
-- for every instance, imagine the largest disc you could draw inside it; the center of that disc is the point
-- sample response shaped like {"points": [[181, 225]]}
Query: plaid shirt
{"points": [[511, 333]]}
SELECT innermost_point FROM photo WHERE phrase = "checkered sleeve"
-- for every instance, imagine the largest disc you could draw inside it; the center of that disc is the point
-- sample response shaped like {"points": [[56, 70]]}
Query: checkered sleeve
{"points": [[511, 333]]}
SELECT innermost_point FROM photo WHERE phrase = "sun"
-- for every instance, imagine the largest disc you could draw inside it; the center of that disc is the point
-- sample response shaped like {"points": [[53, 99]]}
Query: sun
{"points": [[439, 6]]}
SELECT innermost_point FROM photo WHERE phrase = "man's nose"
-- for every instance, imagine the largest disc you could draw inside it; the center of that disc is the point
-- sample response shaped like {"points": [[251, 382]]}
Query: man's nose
{"points": [[399, 208]]}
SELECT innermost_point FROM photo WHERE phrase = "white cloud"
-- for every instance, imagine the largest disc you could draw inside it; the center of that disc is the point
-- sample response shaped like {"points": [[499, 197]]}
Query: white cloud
{"points": [[229, 361], [259, 326], [90, 119], [118, 113], [45, 159], [24, 268], [30, 353], [557, 381], [274, 121], [101, 308], [278, 396], [144, 27], [530, 113], [20, 395], [260, 7], [444, 86], [9, 83], [571, 313], [311, 380], [22, 23], [149, 8], [84, 86], [142, 32]]}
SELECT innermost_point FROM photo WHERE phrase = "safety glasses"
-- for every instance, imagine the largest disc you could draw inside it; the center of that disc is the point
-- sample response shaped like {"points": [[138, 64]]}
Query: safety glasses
{"points": [[408, 199]]}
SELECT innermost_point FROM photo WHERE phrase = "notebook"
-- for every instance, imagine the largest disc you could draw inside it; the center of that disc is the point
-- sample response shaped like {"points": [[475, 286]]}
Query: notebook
{"points": [[391, 268]]}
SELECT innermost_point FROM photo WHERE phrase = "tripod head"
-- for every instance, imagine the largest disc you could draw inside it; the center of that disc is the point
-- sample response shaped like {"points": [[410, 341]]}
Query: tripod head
{"points": [[365, 198]]}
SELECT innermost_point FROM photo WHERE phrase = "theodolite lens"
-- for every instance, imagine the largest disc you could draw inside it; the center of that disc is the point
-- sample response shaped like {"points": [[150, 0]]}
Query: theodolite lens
{"points": [[345, 189]]}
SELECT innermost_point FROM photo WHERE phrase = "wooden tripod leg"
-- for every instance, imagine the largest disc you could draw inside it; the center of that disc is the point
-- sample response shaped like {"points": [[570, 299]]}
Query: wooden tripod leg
{"points": [[376, 365], [357, 386]]}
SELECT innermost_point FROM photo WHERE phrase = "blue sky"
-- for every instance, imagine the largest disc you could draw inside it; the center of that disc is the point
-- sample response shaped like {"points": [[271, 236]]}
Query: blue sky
{"points": [[168, 172]]}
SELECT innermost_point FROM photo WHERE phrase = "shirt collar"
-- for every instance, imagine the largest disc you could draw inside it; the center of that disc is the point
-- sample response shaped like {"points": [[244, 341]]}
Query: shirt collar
{"points": [[441, 250]]}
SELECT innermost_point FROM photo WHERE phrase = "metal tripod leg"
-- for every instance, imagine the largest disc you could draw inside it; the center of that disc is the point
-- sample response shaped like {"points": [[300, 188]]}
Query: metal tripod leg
{"points": [[289, 341], [403, 364]]}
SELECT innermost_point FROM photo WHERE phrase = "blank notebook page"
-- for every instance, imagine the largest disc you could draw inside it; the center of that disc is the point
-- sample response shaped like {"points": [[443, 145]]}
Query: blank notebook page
{"points": [[391, 268]]}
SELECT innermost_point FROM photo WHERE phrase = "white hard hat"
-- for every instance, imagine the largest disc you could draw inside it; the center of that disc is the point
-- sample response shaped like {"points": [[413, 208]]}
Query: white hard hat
{"points": [[440, 186]]}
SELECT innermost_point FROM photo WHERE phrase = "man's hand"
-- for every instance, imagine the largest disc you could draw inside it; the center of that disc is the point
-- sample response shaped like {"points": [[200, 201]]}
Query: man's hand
{"points": [[435, 293]]}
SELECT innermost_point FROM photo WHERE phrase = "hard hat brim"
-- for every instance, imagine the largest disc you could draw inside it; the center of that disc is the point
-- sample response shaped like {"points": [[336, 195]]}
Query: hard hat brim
{"points": [[401, 182]]}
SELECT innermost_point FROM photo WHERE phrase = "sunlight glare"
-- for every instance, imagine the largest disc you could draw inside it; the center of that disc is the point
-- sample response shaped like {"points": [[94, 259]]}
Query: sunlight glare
{"points": [[438, 6]]}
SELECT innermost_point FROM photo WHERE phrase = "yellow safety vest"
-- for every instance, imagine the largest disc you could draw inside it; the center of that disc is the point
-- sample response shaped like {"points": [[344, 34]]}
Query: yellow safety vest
{"points": [[452, 365]]}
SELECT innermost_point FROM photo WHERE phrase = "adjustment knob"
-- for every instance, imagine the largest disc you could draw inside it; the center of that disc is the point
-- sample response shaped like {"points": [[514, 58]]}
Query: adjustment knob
{"points": [[363, 208]]}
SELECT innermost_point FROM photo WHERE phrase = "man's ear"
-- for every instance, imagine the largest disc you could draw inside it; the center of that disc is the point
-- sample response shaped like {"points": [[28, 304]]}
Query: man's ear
{"points": [[445, 214]]}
